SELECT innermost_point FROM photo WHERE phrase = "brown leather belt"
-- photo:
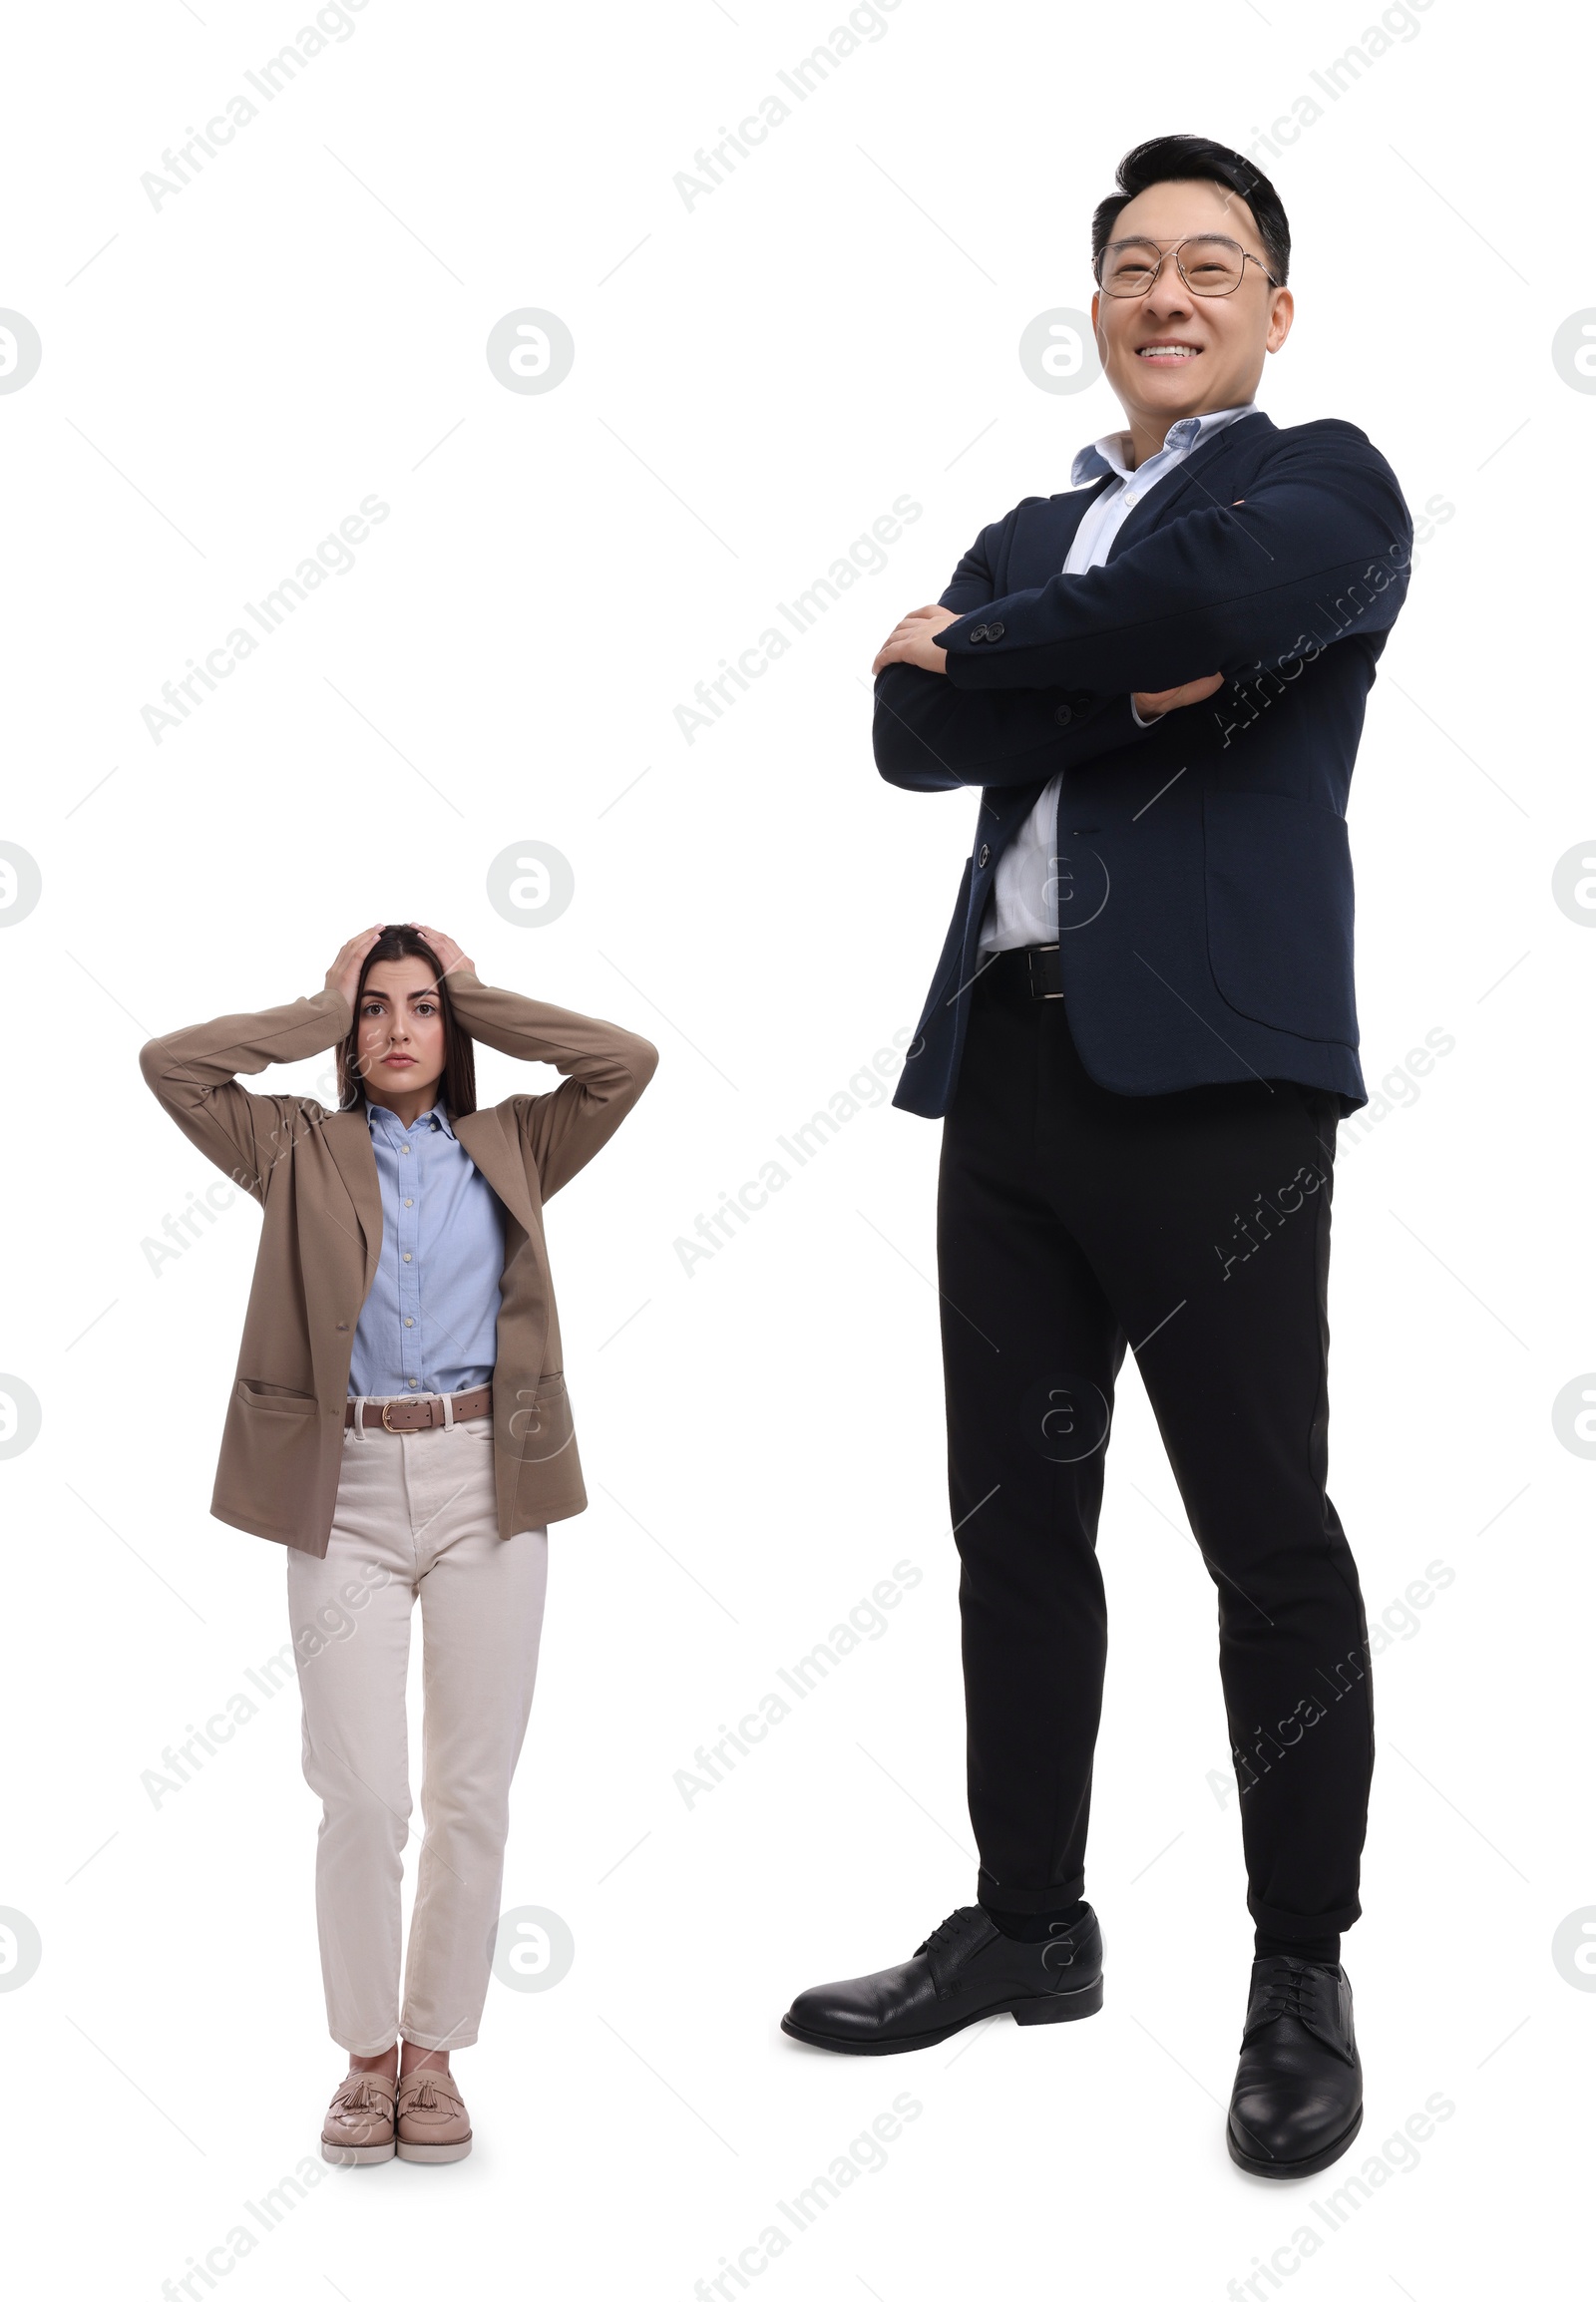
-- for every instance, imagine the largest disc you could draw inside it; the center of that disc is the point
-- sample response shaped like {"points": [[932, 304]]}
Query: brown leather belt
{"points": [[423, 1414]]}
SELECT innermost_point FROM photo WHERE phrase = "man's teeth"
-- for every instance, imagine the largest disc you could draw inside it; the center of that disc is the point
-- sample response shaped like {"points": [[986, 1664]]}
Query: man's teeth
{"points": [[1167, 352]]}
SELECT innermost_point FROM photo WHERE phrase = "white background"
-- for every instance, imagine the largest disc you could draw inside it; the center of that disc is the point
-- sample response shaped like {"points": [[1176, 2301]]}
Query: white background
{"points": [[224, 379]]}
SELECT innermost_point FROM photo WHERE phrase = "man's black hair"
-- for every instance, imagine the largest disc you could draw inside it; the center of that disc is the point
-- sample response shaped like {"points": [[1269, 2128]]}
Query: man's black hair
{"points": [[1178, 159]]}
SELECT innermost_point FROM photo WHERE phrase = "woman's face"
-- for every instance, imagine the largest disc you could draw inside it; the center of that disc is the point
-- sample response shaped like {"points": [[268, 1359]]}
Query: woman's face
{"points": [[400, 1050]]}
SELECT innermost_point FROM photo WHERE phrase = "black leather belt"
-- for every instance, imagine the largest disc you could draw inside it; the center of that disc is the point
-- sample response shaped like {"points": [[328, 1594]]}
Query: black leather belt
{"points": [[1046, 969]]}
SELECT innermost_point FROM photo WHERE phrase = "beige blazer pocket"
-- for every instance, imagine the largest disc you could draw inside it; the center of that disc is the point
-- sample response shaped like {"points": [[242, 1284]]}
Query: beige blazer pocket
{"points": [[275, 1401], [270, 1453], [539, 1424]]}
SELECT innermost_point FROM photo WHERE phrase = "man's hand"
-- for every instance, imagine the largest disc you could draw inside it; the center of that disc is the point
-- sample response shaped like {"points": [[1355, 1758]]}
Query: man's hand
{"points": [[1153, 706], [912, 642]]}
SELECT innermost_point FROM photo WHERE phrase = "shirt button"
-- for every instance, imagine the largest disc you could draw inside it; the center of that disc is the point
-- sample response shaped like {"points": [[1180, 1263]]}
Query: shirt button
{"points": [[410, 1322], [412, 1383], [407, 1259], [404, 1150]]}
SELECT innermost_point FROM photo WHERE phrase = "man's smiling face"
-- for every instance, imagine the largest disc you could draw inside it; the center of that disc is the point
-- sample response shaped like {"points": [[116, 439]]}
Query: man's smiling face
{"points": [[1172, 353]]}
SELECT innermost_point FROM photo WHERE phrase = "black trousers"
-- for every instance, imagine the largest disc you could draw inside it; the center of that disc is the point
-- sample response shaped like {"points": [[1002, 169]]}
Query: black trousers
{"points": [[1195, 1226]]}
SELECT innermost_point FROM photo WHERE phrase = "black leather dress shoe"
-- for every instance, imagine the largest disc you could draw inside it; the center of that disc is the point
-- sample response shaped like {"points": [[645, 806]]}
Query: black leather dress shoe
{"points": [[1298, 2093], [962, 1973]]}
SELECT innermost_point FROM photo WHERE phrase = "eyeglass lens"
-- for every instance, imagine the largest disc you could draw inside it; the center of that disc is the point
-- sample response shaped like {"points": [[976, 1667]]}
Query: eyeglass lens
{"points": [[1210, 264]]}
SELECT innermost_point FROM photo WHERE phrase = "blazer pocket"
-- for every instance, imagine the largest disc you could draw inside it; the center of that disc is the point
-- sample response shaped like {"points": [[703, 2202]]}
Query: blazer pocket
{"points": [[539, 1423], [267, 1402], [1278, 886]]}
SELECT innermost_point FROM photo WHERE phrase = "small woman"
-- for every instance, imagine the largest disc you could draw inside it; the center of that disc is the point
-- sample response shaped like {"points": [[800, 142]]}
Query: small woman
{"points": [[399, 1422]]}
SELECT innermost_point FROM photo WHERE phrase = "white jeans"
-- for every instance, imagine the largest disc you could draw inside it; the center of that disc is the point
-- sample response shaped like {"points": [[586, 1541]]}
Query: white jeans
{"points": [[415, 1515]]}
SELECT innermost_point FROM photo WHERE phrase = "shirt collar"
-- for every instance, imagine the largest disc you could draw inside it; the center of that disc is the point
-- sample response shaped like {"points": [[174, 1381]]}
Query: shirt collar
{"points": [[379, 1114], [1107, 454]]}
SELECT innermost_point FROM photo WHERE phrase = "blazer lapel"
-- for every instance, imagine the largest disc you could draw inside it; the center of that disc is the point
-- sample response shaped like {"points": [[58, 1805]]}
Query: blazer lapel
{"points": [[498, 1153], [347, 1135], [1202, 473], [1041, 546]]}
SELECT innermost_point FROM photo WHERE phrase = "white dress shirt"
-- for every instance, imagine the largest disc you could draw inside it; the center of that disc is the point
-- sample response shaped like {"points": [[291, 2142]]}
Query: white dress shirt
{"points": [[1023, 907]]}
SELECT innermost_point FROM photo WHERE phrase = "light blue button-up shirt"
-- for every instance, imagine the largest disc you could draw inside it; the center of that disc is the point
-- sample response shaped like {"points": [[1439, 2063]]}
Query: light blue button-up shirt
{"points": [[1024, 894], [429, 1323]]}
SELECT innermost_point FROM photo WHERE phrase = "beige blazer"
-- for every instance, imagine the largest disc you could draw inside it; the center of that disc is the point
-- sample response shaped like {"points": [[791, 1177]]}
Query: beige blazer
{"points": [[315, 1175]]}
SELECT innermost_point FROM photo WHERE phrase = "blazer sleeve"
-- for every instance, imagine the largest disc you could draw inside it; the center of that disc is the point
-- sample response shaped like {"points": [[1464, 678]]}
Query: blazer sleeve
{"points": [[193, 1074], [1320, 549], [930, 735], [605, 1069]]}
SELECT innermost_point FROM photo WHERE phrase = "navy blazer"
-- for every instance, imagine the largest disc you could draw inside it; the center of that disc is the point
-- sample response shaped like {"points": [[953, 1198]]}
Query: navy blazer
{"points": [[1205, 879]]}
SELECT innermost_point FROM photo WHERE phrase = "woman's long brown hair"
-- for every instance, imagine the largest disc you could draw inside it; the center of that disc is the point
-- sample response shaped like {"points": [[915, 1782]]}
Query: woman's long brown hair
{"points": [[458, 1086]]}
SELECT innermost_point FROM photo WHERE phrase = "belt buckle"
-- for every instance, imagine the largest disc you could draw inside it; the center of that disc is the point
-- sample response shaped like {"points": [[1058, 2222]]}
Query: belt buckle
{"points": [[1040, 974], [386, 1424]]}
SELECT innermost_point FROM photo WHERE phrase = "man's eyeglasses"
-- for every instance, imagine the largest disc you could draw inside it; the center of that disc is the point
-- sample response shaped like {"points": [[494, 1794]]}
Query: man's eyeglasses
{"points": [[1208, 262]]}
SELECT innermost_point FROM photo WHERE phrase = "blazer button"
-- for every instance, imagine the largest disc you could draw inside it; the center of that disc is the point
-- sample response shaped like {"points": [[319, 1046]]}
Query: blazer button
{"points": [[1080, 701], [1064, 716], [994, 632], [983, 858], [978, 633]]}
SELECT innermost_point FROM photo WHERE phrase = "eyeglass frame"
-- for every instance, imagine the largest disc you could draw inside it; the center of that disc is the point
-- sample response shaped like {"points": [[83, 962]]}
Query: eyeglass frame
{"points": [[1146, 239]]}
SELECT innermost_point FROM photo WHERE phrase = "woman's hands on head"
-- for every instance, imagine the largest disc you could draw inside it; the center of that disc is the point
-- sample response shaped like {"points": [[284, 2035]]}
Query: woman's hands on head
{"points": [[344, 974], [449, 956]]}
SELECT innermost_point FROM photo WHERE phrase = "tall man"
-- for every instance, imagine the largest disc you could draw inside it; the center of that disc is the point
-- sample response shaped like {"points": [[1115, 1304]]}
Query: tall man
{"points": [[1140, 1037]]}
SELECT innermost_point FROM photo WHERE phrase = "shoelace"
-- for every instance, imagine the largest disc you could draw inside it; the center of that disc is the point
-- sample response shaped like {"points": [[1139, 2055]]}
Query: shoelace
{"points": [[953, 1928], [1288, 1991]]}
